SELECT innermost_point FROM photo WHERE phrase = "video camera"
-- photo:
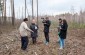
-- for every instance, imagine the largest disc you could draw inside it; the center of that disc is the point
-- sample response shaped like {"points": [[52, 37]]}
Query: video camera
{"points": [[44, 21], [42, 18]]}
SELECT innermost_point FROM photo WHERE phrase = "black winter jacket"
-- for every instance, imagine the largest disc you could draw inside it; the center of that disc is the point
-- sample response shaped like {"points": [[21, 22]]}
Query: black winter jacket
{"points": [[63, 31], [34, 28], [47, 26]]}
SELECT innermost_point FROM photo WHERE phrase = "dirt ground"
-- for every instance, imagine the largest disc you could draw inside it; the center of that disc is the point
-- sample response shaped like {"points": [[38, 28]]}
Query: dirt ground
{"points": [[74, 44]]}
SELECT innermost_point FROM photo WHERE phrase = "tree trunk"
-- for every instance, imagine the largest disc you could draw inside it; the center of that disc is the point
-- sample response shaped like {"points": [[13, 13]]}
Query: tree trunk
{"points": [[32, 10], [25, 8], [1, 10], [37, 13], [12, 12], [4, 12]]}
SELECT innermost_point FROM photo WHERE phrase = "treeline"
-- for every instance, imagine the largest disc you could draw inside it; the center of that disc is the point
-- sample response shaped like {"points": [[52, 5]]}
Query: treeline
{"points": [[73, 18]]}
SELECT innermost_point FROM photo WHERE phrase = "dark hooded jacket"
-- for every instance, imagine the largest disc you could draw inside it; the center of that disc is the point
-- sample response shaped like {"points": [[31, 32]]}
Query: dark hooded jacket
{"points": [[47, 26], [34, 28]]}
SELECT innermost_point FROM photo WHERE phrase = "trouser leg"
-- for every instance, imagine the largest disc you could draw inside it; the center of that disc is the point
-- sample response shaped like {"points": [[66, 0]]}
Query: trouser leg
{"points": [[34, 40], [61, 43], [24, 42], [47, 36]]}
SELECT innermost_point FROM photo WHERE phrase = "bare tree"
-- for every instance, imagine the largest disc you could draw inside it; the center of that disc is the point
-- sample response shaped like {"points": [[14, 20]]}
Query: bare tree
{"points": [[1, 10], [12, 12], [37, 13], [22, 12], [32, 10], [81, 16], [28, 17], [25, 7], [73, 13], [4, 11]]}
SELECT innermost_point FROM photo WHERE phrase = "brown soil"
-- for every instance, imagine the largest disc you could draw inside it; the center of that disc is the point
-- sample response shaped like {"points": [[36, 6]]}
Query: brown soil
{"points": [[74, 44]]}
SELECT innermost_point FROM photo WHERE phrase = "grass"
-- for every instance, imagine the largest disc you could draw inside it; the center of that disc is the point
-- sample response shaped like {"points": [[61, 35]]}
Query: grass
{"points": [[76, 26], [70, 25]]}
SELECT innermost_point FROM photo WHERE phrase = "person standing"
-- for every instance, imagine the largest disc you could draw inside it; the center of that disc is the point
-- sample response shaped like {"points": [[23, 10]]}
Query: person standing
{"points": [[60, 23], [47, 24], [23, 33], [63, 33], [34, 28]]}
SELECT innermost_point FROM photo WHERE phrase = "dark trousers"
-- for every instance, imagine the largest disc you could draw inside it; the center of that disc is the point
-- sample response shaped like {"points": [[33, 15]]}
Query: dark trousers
{"points": [[46, 36], [24, 42], [34, 40]]}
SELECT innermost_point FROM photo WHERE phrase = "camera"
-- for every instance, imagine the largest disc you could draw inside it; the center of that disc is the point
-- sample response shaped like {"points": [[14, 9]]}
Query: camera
{"points": [[44, 21], [42, 18]]}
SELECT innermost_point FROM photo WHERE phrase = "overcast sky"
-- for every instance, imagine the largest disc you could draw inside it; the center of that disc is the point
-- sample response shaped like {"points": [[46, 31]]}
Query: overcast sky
{"points": [[49, 7]]}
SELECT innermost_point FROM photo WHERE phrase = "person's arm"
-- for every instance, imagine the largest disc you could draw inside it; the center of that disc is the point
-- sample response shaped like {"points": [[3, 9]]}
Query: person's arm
{"points": [[48, 23], [64, 27], [26, 27]]}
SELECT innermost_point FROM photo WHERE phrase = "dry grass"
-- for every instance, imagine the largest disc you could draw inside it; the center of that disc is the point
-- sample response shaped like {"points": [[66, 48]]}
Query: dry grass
{"points": [[10, 42]]}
